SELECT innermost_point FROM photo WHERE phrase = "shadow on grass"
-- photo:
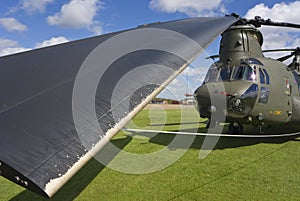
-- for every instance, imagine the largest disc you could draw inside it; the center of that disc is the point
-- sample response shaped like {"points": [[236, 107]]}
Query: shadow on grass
{"points": [[176, 124], [78, 183], [223, 142]]}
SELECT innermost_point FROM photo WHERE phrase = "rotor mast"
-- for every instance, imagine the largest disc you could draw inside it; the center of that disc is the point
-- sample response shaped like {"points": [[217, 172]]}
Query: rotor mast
{"points": [[244, 40], [240, 42]]}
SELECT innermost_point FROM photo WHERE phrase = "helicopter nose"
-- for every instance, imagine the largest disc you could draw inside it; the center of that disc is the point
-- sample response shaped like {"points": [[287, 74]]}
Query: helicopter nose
{"points": [[226, 98], [241, 105], [210, 100]]}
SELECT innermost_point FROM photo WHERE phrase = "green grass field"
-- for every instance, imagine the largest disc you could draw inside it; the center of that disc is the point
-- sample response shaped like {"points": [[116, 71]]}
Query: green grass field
{"points": [[237, 169]]}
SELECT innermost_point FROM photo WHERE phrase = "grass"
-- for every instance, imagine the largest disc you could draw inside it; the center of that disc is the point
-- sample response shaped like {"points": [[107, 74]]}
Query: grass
{"points": [[237, 169]]}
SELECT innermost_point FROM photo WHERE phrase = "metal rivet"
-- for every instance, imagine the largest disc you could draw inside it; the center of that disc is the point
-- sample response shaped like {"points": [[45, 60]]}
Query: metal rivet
{"points": [[17, 178]]}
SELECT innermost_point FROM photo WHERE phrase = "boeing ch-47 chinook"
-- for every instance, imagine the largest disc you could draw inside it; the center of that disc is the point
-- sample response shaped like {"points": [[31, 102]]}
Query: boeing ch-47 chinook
{"points": [[256, 90]]}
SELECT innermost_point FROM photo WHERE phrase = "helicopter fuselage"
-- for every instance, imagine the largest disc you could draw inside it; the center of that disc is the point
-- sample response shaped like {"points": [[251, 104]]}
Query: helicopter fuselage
{"points": [[244, 87]]}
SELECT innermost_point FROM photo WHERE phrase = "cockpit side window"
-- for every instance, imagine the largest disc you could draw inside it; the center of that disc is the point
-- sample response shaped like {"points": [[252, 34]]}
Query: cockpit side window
{"points": [[262, 77], [212, 75], [267, 76], [244, 72]]}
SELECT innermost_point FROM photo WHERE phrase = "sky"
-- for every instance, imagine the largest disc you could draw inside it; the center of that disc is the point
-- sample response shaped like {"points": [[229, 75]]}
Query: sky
{"points": [[30, 24]]}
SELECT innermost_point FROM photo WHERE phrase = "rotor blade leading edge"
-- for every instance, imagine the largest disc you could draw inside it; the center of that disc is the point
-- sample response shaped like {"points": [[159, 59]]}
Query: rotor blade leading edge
{"points": [[50, 95]]}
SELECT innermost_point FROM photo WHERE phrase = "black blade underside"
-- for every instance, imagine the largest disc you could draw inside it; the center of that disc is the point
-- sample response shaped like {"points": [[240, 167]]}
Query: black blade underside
{"points": [[40, 148]]}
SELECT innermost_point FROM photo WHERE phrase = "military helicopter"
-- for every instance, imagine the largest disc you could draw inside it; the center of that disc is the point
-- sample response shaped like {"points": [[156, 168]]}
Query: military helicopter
{"points": [[257, 90]]}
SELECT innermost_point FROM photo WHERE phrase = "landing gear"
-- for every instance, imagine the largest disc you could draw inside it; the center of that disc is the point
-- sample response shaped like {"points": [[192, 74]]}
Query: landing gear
{"points": [[211, 124], [235, 128]]}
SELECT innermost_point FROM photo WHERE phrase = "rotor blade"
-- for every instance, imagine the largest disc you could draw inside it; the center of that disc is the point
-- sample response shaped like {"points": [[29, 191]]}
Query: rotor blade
{"points": [[279, 24], [280, 50], [282, 59], [258, 21], [60, 105]]}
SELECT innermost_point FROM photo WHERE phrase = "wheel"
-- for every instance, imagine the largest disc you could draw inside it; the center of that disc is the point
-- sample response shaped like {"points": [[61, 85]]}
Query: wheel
{"points": [[211, 124], [235, 128]]}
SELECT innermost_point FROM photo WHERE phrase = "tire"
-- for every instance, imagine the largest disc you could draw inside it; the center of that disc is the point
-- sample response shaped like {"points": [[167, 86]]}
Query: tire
{"points": [[235, 128]]}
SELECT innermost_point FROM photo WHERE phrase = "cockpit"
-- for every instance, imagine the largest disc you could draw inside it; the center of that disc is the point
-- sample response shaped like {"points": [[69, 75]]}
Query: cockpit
{"points": [[242, 86], [242, 72]]}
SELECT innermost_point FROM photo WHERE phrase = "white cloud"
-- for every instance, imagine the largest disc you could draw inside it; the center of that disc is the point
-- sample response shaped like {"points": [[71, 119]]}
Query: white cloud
{"points": [[52, 41], [190, 72], [176, 89], [288, 12], [189, 80], [186, 83], [10, 47], [11, 24], [78, 14], [4, 43], [275, 37], [189, 7], [31, 6], [13, 50]]}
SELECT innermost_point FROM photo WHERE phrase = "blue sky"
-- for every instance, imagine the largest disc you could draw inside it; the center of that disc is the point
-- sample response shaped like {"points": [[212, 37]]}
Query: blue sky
{"points": [[28, 24]]}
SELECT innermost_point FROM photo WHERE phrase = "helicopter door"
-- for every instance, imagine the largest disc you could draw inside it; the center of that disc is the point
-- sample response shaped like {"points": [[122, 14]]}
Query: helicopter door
{"points": [[288, 93], [288, 89]]}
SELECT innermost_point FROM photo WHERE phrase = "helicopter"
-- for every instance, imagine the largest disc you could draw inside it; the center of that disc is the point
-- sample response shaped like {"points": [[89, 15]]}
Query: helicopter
{"points": [[256, 90]]}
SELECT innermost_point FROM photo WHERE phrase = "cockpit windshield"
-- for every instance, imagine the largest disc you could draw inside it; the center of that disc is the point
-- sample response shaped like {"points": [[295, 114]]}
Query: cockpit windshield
{"points": [[225, 74], [242, 72]]}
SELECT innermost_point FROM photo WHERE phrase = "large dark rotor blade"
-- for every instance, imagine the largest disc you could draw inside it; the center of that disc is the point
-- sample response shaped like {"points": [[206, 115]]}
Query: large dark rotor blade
{"points": [[284, 58], [41, 145]]}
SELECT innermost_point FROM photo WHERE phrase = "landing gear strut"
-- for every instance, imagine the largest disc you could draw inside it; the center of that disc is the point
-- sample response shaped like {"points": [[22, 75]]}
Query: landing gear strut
{"points": [[211, 124], [235, 128]]}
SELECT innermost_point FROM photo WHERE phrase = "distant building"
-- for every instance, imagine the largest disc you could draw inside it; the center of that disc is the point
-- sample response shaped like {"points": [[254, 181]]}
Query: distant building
{"points": [[188, 101], [174, 102], [157, 102]]}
